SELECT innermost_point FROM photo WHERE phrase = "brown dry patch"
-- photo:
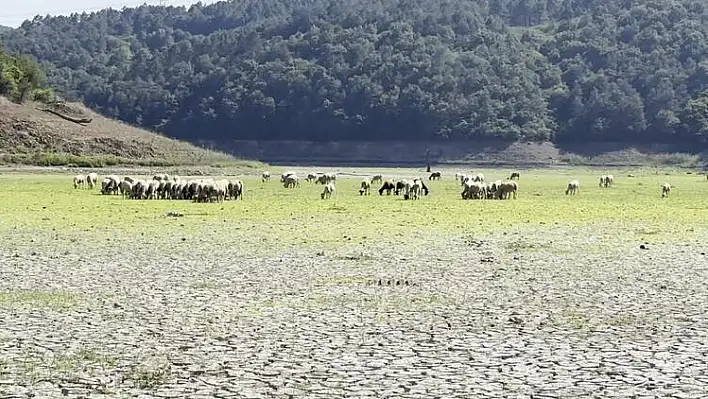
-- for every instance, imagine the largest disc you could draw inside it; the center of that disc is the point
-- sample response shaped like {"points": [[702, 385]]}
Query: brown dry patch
{"points": [[25, 129]]}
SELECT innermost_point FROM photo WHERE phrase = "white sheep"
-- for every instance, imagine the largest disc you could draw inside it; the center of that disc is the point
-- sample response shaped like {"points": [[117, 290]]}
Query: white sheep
{"points": [[291, 181], [110, 185], [321, 179], [406, 187], [473, 190], [416, 189], [665, 189], [139, 189], [328, 190], [235, 189], [152, 187], [507, 190], [573, 187], [460, 176], [285, 175], [126, 188], [91, 180], [79, 181], [606, 180], [265, 176]]}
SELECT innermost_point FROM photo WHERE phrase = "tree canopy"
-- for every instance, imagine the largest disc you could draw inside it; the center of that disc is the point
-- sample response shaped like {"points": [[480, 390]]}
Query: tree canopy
{"points": [[21, 78], [560, 70]]}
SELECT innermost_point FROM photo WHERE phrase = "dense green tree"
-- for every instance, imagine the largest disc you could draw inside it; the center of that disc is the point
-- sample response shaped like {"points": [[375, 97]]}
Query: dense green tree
{"points": [[21, 78], [563, 70]]}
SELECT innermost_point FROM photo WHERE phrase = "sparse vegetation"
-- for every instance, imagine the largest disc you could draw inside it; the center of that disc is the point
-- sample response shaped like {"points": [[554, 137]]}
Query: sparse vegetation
{"points": [[51, 300], [294, 216], [29, 136]]}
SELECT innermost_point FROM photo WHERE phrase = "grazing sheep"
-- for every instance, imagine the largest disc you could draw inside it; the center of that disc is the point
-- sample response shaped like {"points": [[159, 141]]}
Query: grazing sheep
{"points": [[665, 189], [192, 190], [435, 176], [79, 181], [473, 190], [114, 187], [164, 190], [606, 180], [328, 190], [110, 185], [311, 177], [376, 179], [91, 180], [573, 187], [177, 190], [208, 190], [326, 178], [161, 177], [415, 189], [265, 176], [152, 189], [400, 185], [461, 177], [365, 187], [424, 188], [405, 188], [515, 175], [507, 190], [322, 179], [220, 190], [492, 188], [235, 189], [285, 175], [291, 181], [126, 188], [388, 186]]}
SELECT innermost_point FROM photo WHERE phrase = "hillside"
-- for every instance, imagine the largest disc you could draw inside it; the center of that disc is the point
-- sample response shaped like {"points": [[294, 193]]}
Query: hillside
{"points": [[29, 135], [563, 71]]}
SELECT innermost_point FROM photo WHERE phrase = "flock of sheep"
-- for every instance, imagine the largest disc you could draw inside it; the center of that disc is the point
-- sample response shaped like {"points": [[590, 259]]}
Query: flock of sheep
{"points": [[409, 188], [474, 187], [163, 186]]}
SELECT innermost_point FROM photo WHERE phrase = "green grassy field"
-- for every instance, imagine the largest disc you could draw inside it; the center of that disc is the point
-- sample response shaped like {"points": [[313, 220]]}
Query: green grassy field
{"points": [[271, 216]]}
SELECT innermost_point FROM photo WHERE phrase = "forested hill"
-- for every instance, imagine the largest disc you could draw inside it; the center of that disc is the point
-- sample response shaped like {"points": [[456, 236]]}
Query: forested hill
{"points": [[564, 70]]}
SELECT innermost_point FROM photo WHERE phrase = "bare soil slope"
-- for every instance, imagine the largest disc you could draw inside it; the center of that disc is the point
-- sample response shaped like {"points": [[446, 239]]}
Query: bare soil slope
{"points": [[30, 134]]}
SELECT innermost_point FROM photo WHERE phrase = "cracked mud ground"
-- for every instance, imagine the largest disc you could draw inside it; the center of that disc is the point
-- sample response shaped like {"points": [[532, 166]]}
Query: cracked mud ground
{"points": [[548, 313]]}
